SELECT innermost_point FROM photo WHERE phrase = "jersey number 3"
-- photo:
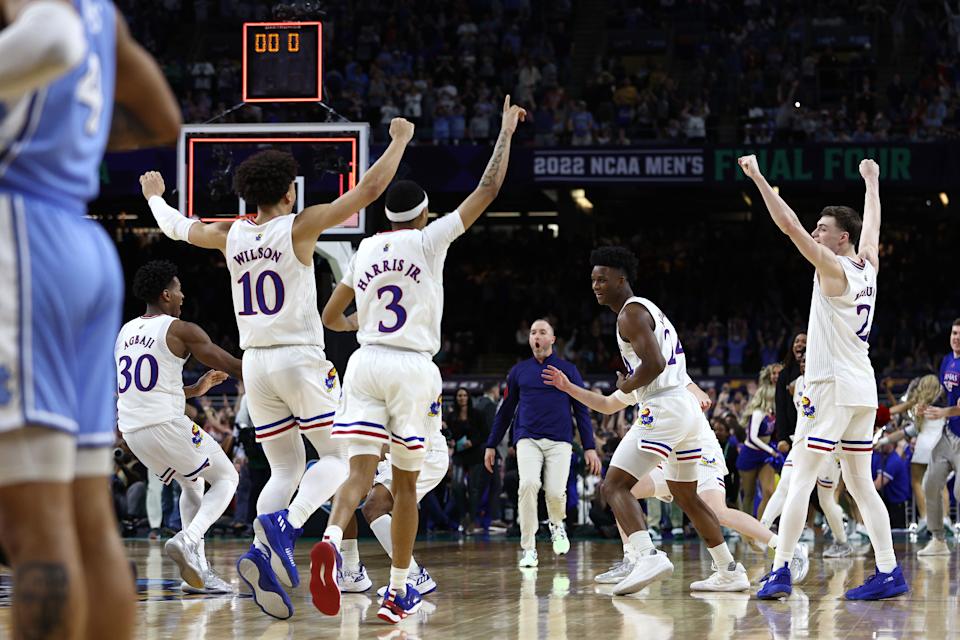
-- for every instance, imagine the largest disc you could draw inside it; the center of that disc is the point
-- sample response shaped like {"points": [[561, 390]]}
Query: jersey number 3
{"points": [[396, 293]]}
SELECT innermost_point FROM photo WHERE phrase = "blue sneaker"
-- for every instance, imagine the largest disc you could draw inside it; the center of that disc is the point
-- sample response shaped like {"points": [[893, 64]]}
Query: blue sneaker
{"points": [[325, 564], [880, 586], [776, 584], [254, 569], [274, 531], [395, 607]]}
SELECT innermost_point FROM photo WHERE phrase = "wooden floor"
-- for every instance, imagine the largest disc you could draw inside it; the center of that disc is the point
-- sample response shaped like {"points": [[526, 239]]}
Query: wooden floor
{"points": [[483, 595]]}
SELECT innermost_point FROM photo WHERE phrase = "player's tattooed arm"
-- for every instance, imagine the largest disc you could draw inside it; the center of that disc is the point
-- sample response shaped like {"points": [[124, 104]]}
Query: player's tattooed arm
{"points": [[334, 311], [636, 325], [786, 219], [495, 173]]}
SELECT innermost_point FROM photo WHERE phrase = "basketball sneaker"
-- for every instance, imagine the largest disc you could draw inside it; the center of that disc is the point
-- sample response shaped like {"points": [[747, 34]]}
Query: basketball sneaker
{"points": [[726, 580], [776, 584], [396, 607], [838, 550], [419, 579], [529, 558], [800, 563], [880, 586], [617, 572], [935, 548], [325, 563], [354, 579], [255, 570], [187, 557], [274, 531], [558, 534], [647, 569], [212, 584]]}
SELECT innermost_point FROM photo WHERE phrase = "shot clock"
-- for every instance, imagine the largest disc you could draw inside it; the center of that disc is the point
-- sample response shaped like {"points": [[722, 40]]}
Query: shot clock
{"points": [[282, 62]]}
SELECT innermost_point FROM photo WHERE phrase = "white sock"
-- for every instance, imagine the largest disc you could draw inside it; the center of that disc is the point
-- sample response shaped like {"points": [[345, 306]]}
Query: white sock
{"points": [[627, 549], [772, 542], [204, 565], [333, 535], [641, 543], [722, 557], [381, 529], [351, 556], [398, 579], [316, 487]]}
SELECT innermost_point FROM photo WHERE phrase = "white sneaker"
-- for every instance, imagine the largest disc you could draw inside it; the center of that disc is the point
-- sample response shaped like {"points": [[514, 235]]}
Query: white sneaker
{"points": [[187, 557], [529, 558], [617, 572], [807, 535], [838, 550], [800, 563], [735, 580], [935, 548], [419, 579], [354, 579], [558, 534], [646, 570], [212, 583]]}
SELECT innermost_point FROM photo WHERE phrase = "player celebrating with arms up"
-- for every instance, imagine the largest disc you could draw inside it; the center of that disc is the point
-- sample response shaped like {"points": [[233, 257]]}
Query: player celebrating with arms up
{"points": [[840, 394]]}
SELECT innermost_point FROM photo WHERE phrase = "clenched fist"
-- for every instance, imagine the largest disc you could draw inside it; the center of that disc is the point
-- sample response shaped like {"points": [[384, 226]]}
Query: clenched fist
{"points": [[152, 184]]}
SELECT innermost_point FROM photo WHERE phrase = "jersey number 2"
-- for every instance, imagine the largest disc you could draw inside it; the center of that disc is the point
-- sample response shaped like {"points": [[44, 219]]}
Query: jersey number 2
{"points": [[863, 332], [674, 350]]}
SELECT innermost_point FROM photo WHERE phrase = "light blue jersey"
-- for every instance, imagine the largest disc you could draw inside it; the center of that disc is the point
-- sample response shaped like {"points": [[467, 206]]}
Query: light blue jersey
{"points": [[59, 273], [52, 140]]}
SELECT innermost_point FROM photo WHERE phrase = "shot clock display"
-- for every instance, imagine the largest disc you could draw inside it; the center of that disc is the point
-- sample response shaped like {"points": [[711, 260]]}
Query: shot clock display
{"points": [[282, 62]]}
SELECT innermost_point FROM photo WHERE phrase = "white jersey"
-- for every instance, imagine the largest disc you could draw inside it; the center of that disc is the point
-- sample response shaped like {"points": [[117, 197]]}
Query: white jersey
{"points": [[274, 294], [149, 376], [837, 347], [674, 374], [397, 278]]}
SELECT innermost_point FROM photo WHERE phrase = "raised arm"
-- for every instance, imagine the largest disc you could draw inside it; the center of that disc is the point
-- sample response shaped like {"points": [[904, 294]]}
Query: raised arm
{"points": [[597, 401], [313, 221], [818, 255], [40, 42], [869, 248], [636, 325], [146, 112], [491, 181], [176, 226], [333, 317], [187, 338]]}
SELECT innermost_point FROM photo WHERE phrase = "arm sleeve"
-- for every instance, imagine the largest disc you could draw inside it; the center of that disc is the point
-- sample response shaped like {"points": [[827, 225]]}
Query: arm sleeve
{"points": [[439, 234], [753, 435], [501, 421], [581, 413]]}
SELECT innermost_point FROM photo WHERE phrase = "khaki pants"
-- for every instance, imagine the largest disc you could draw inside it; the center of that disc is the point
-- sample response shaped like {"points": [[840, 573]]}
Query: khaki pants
{"points": [[552, 459]]}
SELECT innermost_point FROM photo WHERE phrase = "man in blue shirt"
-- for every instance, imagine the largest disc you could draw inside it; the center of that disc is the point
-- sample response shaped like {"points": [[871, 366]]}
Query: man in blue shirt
{"points": [[543, 432], [946, 455], [891, 476]]}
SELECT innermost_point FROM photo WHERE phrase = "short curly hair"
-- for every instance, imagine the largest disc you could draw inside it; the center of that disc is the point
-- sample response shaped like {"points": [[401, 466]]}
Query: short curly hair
{"points": [[152, 278], [264, 177], [617, 258]]}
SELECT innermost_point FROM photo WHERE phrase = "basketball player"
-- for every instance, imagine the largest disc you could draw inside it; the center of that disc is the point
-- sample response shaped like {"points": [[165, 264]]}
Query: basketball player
{"points": [[840, 396], [392, 387], [828, 476], [290, 385], [150, 353], [62, 67], [668, 428], [711, 470]]}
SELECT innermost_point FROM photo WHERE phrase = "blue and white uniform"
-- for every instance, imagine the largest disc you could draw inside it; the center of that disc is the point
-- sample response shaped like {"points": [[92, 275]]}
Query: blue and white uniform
{"points": [[61, 278], [756, 450]]}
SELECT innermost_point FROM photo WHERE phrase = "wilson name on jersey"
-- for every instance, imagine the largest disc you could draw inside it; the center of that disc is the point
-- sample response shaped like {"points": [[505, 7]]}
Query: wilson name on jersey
{"points": [[149, 376], [674, 374], [837, 334], [274, 294], [397, 278]]}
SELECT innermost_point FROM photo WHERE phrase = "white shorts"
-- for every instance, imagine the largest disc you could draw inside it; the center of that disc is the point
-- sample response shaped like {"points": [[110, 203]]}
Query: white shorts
{"points": [[177, 449], [290, 387], [927, 439], [711, 471], [829, 424], [435, 466], [390, 396], [669, 426], [828, 474]]}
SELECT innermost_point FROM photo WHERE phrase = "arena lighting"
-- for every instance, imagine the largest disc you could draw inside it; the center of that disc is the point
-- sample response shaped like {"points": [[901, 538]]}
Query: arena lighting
{"points": [[944, 199], [504, 214], [797, 104], [543, 214], [746, 198], [580, 198]]}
